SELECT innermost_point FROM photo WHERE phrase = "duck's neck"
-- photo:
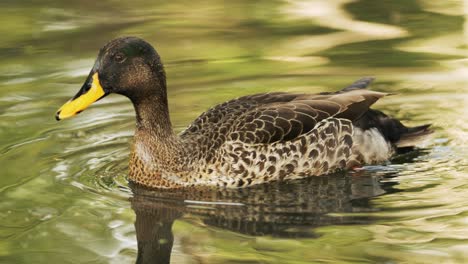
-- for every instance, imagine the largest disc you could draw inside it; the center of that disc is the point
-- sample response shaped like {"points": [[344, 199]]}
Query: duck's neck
{"points": [[157, 151], [152, 117], [155, 141]]}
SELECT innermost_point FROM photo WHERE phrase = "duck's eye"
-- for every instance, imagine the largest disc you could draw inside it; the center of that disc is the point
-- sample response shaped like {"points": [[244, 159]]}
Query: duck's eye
{"points": [[119, 57]]}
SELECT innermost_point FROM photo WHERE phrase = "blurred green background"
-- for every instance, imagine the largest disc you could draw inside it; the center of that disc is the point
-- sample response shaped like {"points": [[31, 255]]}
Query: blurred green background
{"points": [[64, 197]]}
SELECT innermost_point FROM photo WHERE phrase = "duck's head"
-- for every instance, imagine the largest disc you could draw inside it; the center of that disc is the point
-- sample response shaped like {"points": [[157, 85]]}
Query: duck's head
{"points": [[129, 66]]}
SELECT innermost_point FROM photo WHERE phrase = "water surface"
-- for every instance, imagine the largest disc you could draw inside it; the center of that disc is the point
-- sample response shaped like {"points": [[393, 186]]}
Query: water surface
{"points": [[64, 197]]}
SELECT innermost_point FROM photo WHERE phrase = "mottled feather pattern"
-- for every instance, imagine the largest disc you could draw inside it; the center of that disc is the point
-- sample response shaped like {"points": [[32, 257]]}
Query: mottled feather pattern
{"points": [[245, 141], [267, 137], [319, 151]]}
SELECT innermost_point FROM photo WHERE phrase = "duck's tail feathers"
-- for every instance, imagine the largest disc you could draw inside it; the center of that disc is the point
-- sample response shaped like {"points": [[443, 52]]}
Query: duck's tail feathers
{"points": [[392, 129], [413, 136]]}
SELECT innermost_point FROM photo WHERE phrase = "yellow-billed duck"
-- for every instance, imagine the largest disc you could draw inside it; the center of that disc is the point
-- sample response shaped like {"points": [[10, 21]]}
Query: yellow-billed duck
{"points": [[245, 141]]}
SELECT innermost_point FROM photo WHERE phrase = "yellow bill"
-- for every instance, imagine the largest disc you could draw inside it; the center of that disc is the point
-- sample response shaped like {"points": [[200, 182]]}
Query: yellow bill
{"points": [[80, 103]]}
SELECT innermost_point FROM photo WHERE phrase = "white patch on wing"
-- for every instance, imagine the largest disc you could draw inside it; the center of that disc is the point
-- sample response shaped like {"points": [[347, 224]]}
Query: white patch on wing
{"points": [[371, 145]]}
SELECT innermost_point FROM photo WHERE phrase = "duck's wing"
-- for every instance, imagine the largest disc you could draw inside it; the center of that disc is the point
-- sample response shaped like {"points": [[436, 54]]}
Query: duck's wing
{"points": [[223, 116], [272, 117], [284, 121], [362, 83]]}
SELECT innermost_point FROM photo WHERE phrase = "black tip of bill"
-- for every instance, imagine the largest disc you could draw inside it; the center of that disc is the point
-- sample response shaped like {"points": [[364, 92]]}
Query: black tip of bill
{"points": [[57, 116]]}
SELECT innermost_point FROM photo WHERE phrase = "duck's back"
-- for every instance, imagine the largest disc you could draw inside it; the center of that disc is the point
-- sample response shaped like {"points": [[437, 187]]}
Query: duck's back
{"points": [[274, 136], [272, 117]]}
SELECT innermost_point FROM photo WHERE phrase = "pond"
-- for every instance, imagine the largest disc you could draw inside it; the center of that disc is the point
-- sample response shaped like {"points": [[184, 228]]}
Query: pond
{"points": [[64, 194]]}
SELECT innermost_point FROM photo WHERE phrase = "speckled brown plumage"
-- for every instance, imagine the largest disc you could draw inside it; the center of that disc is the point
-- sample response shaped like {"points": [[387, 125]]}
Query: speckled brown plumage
{"points": [[249, 140], [260, 138], [256, 139]]}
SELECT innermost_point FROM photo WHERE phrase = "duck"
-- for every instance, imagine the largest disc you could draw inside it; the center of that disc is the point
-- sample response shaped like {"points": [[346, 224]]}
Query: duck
{"points": [[250, 140]]}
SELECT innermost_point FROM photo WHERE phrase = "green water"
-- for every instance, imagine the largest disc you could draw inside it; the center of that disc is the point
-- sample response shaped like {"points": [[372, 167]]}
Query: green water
{"points": [[64, 197]]}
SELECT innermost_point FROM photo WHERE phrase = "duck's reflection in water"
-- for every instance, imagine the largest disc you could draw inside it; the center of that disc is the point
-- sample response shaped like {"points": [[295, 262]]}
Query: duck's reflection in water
{"points": [[284, 209]]}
